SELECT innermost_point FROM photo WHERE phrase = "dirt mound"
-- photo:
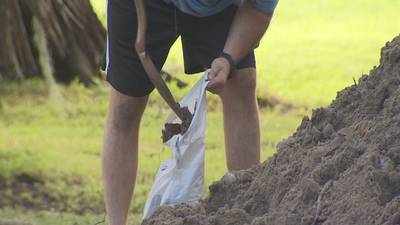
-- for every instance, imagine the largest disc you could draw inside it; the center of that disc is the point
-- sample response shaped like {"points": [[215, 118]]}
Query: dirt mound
{"points": [[342, 166]]}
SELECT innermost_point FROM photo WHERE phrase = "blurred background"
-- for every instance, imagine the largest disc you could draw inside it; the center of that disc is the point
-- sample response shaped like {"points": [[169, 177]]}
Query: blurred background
{"points": [[53, 98]]}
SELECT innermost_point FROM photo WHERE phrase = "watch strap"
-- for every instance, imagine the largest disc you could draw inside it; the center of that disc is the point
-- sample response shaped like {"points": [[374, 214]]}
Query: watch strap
{"points": [[232, 62]]}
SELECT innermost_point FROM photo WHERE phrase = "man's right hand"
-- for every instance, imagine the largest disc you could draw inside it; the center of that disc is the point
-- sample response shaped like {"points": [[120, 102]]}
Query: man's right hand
{"points": [[218, 75]]}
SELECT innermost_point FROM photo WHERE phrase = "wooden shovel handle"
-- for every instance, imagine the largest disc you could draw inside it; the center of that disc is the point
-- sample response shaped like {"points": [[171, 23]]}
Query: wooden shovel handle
{"points": [[149, 67]]}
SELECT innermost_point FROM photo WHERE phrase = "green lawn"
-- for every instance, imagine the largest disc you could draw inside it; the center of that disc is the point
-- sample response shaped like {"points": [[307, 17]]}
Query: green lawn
{"points": [[312, 50], [61, 147]]}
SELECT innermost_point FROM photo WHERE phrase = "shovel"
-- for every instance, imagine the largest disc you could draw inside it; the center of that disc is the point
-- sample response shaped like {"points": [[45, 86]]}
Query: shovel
{"points": [[151, 70], [155, 75]]}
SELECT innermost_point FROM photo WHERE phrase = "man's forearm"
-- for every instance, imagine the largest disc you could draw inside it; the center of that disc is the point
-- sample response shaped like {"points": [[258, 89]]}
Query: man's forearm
{"points": [[248, 27]]}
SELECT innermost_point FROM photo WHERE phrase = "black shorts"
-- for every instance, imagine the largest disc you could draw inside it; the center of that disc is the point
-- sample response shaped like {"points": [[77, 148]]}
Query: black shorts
{"points": [[203, 39]]}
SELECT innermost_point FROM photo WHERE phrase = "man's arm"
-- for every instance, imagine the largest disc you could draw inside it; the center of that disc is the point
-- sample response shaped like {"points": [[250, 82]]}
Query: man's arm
{"points": [[248, 27]]}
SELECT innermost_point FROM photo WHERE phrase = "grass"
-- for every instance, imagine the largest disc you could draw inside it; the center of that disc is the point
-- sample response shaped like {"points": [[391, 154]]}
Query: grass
{"points": [[312, 50], [60, 148]]}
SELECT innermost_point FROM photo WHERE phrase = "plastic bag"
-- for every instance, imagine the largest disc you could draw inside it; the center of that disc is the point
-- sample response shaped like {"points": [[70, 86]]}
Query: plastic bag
{"points": [[181, 179]]}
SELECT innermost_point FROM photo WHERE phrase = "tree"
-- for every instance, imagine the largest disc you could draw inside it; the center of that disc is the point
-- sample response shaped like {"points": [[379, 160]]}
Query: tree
{"points": [[51, 38]]}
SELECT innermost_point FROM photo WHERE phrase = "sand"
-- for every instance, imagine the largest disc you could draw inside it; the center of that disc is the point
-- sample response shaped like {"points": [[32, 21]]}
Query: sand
{"points": [[341, 166]]}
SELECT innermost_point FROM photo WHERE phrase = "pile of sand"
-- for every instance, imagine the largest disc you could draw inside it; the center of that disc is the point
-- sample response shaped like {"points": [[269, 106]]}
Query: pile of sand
{"points": [[342, 166]]}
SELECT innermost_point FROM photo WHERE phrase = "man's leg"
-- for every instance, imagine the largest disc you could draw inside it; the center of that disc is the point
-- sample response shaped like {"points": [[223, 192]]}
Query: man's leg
{"points": [[241, 120], [120, 154]]}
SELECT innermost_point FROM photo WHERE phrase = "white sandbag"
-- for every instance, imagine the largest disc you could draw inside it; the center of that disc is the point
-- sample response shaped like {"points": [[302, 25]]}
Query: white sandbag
{"points": [[181, 179]]}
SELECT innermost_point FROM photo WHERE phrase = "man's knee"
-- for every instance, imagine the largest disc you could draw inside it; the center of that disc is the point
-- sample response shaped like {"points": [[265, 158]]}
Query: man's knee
{"points": [[242, 86], [125, 111]]}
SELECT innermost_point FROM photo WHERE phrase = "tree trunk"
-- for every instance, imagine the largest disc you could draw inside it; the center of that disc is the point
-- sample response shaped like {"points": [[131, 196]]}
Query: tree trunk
{"points": [[74, 39]]}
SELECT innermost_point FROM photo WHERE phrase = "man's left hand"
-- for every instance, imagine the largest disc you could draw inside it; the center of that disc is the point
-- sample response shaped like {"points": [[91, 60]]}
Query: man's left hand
{"points": [[218, 75]]}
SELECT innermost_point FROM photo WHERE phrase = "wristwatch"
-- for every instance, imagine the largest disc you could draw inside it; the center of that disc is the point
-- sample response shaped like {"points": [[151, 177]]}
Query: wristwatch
{"points": [[232, 63]]}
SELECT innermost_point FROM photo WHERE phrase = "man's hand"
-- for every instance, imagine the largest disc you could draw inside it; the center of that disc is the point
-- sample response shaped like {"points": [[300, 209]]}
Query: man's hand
{"points": [[218, 75]]}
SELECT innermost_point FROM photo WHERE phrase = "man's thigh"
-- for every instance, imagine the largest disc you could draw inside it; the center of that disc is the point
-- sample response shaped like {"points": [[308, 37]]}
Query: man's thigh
{"points": [[124, 69], [203, 39]]}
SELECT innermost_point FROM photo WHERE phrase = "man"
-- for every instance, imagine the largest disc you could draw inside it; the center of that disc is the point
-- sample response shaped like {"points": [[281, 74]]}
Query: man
{"points": [[216, 34]]}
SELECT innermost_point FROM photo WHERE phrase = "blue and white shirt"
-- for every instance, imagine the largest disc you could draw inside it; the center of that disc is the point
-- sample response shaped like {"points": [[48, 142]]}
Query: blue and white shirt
{"points": [[210, 7]]}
